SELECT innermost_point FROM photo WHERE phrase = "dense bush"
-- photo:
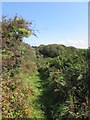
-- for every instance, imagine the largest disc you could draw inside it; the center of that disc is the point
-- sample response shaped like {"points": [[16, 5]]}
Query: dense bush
{"points": [[14, 102], [67, 85]]}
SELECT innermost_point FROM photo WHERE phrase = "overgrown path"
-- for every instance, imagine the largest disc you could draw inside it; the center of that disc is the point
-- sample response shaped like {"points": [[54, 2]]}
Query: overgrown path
{"points": [[36, 93], [34, 99], [31, 78], [39, 99]]}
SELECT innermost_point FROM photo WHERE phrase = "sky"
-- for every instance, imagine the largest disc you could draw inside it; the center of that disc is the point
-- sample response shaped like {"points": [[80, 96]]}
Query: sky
{"points": [[55, 22]]}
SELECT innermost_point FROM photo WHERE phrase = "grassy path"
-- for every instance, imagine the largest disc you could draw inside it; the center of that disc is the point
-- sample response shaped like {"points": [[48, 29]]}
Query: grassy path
{"points": [[36, 91]]}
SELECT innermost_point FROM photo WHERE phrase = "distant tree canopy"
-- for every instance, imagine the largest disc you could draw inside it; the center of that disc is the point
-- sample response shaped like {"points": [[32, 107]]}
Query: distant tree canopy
{"points": [[55, 50]]}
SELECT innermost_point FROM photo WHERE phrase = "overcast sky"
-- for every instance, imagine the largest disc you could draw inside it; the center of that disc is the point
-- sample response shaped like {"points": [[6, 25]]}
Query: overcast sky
{"points": [[61, 22]]}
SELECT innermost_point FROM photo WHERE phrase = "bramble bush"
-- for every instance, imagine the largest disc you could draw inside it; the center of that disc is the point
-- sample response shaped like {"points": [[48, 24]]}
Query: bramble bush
{"points": [[14, 102], [67, 85]]}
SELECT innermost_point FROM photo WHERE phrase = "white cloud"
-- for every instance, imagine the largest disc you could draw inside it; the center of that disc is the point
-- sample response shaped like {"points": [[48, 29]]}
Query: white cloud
{"points": [[78, 43], [69, 42], [75, 43]]}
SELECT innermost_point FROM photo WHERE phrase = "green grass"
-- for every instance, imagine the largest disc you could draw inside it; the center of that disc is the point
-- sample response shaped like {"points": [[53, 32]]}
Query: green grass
{"points": [[35, 93]]}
